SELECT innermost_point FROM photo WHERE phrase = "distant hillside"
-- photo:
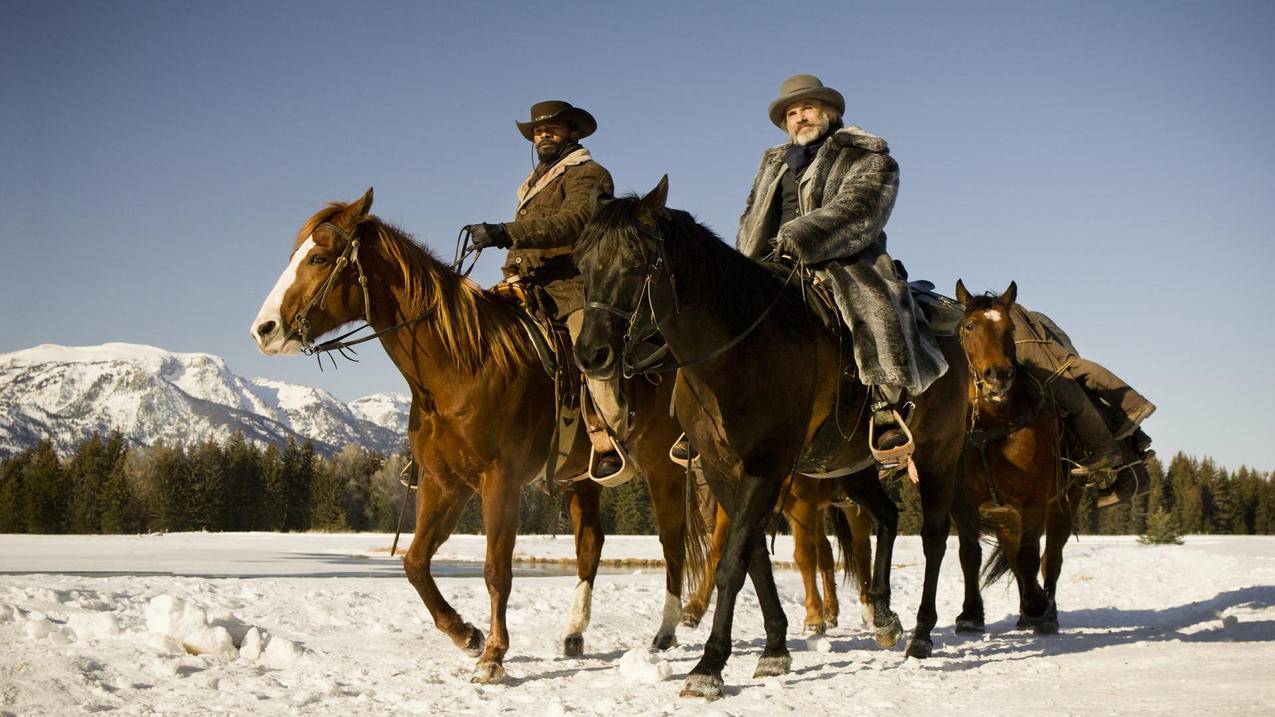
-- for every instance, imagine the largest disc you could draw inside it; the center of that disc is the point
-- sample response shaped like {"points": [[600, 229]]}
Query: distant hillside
{"points": [[66, 393]]}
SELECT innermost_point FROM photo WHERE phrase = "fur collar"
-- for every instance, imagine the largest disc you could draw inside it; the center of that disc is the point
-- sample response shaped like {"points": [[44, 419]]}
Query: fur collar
{"points": [[527, 191]]}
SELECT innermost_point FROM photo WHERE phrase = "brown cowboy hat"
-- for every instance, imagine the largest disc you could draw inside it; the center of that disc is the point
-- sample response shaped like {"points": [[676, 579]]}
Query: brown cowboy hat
{"points": [[803, 87], [579, 119]]}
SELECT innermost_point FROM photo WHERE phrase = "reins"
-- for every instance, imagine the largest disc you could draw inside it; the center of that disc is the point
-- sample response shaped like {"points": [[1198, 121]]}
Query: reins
{"points": [[635, 333]]}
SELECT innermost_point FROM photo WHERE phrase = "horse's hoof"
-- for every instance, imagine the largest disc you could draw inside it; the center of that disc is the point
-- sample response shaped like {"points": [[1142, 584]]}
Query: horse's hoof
{"points": [[486, 673], [573, 646], [830, 621], [1023, 623], [773, 665], [888, 630], [919, 647], [473, 643], [815, 628], [969, 625], [664, 642], [707, 686], [691, 618], [1046, 627]]}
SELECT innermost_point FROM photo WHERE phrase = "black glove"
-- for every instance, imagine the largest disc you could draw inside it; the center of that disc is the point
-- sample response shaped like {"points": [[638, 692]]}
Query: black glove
{"points": [[483, 236]]}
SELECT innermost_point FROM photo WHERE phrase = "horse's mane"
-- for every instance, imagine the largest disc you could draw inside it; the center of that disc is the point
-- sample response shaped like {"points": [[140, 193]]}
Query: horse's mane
{"points": [[704, 263], [475, 329]]}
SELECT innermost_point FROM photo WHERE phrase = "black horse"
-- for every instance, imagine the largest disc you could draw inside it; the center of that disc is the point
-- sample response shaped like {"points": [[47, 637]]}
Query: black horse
{"points": [[759, 377]]}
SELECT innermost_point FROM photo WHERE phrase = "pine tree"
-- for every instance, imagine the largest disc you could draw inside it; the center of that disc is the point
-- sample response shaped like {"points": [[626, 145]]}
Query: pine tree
{"points": [[47, 491], [244, 484], [175, 508], [13, 492], [385, 495], [208, 470], [87, 471], [328, 513], [271, 511], [120, 511], [1161, 529]]}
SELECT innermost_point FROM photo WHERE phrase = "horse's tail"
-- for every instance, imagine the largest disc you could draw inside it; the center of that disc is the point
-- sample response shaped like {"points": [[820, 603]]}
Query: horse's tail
{"points": [[694, 538], [845, 542], [996, 567]]}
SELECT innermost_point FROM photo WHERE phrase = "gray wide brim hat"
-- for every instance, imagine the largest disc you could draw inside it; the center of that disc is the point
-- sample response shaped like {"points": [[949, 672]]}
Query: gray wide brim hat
{"points": [[803, 87], [549, 110]]}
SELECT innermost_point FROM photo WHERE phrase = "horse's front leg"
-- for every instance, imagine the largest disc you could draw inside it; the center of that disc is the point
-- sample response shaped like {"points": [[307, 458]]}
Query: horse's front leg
{"points": [[667, 483], [865, 489], [936, 505], [1057, 532], [774, 659], [1033, 603], [438, 507], [500, 495], [973, 617], [754, 501], [586, 521]]}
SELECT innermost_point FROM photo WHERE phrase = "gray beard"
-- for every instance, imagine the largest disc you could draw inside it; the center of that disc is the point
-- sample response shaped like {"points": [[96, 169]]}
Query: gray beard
{"points": [[811, 133]]}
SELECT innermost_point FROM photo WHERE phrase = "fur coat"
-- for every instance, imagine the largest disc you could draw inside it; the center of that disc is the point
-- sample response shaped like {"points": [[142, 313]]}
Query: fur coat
{"points": [[846, 195]]}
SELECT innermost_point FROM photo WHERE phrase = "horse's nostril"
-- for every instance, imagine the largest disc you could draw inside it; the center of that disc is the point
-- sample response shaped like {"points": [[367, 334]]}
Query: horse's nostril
{"points": [[265, 328], [601, 357]]}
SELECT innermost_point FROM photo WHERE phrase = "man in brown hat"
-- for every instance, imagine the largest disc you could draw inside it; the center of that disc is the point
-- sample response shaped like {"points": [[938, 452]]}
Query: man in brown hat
{"points": [[554, 203], [823, 199]]}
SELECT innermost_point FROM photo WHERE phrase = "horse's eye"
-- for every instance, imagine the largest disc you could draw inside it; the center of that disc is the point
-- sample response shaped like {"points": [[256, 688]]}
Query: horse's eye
{"points": [[318, 259], [969, 326]]}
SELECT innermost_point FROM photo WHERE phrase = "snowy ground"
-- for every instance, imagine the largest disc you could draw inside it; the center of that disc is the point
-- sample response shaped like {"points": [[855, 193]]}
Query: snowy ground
{"points": [[320, 624]]}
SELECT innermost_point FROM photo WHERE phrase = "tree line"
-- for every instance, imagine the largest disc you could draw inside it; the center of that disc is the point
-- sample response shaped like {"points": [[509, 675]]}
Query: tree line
{"points": [[108, 486]]}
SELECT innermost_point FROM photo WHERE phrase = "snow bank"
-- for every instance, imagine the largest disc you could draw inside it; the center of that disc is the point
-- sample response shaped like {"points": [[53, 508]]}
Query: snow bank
{"points": [[639, 665], [176, 619]]}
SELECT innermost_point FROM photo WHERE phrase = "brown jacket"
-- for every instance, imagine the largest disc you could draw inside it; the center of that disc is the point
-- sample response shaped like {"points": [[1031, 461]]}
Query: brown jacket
{"points": [[553, 207]]}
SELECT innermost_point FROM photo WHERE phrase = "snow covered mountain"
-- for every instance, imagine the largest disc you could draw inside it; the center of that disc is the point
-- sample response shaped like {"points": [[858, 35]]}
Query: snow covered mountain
{"points": [[66, 392]]}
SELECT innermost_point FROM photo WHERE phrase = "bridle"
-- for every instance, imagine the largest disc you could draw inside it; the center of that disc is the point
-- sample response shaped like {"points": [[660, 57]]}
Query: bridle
{"points": [[349, 256], [643, 323]]}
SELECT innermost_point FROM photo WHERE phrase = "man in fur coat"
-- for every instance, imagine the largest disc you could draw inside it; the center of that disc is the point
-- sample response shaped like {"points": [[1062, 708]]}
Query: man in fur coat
{"points": [[555, 201], [823, 198]]}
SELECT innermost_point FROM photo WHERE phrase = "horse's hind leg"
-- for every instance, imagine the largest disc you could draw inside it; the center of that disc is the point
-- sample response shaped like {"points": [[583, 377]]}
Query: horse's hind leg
{"points": [[936, 504], [861, 556], [803, 516], [667, 485], [438, 508], [500, 520], [586, 521], [698, 604], [828, 574]]}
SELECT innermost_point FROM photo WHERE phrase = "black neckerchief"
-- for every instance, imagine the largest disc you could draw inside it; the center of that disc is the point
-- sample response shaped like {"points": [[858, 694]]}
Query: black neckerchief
{"points": [[798, 156]]}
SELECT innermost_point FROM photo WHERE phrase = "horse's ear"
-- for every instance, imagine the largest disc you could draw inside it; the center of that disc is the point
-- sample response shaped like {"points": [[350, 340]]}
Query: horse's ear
{"points": [[1010, 294], [361, 207], [653, 203], [962, 294]]}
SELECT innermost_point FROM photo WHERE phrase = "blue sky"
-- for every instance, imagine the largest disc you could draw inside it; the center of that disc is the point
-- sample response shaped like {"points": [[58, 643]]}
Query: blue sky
{"points": [[1112, 158]]}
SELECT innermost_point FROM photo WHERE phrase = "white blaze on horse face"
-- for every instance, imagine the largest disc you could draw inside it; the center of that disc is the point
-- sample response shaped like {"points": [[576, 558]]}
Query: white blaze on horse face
{"points": [[993, 315], [276, 341], [581, 607]]}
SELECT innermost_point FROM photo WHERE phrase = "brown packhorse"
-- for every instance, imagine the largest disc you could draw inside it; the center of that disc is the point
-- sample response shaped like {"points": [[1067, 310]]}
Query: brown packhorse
{"points": [[807, 502], [1014, 485], [482, 413], [759, 377]]}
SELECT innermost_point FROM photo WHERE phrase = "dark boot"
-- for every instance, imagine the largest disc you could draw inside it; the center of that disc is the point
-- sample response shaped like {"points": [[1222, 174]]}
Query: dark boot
{"points": [[682, 451], [885, 406], [1088, 426], [607, 464]]}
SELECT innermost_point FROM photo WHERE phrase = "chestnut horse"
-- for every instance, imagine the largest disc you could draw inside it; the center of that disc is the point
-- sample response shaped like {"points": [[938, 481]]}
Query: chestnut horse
{"points": [[805, 505], [759, 377], [1014, 484], [482, 413]]}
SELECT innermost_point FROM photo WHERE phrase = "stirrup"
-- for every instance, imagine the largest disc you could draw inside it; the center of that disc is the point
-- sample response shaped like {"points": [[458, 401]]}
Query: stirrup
{"points": [[891, 458], [411, 482], [628, 468], [692, 454]]}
